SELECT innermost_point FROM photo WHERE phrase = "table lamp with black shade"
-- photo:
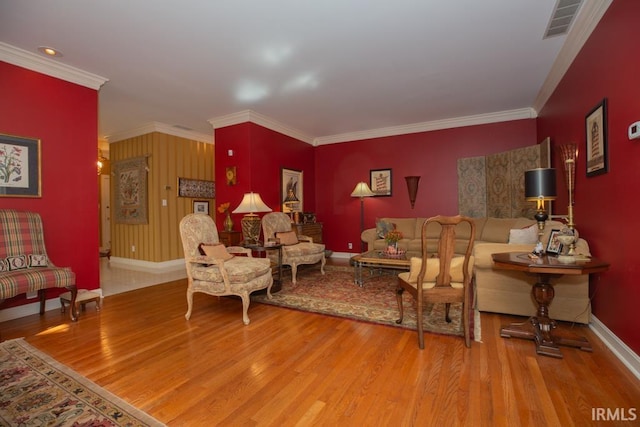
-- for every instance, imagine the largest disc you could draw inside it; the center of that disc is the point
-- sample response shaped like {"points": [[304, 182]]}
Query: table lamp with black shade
{"points": [[250, 204], [539, 187]]}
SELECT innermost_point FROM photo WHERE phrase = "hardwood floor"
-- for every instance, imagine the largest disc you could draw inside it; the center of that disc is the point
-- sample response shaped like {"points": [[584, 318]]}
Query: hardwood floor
{"points": [[294, 368]]}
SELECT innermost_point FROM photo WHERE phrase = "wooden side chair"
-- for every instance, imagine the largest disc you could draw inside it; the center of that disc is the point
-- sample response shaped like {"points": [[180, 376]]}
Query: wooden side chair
{"points": [[441, 275]]}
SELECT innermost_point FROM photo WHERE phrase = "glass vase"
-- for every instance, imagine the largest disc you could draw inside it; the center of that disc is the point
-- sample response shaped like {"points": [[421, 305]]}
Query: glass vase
{"points": [[228, 222]]}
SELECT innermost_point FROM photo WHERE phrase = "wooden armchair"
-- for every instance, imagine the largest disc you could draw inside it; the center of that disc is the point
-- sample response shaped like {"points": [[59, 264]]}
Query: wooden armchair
{"points": [[297, 249], [440, 276], [220, 271]]}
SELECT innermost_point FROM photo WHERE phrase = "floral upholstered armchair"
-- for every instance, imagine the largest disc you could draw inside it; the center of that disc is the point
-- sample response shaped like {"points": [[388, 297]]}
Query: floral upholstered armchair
{"points": [[296, 250], [215, 270]]}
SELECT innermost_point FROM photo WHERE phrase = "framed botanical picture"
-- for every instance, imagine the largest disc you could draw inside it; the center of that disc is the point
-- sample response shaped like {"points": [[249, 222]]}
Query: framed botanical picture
{"points": [[19, 167], [596, 131], [380, 182], [201, 207], [291, 194], [554, 247]]}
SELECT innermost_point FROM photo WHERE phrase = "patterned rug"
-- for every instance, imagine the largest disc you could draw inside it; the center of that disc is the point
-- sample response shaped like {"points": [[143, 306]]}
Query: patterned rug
{"points": [[336, 294], [36, 390]]}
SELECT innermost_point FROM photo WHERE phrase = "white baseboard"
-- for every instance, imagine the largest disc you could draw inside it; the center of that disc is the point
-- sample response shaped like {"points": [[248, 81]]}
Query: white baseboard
{"points": [[622, 351], [148, 266], [346, 255]]}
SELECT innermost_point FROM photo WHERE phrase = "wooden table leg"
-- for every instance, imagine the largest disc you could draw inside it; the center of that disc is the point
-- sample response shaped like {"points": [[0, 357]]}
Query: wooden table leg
{"points": [[540, 327]]}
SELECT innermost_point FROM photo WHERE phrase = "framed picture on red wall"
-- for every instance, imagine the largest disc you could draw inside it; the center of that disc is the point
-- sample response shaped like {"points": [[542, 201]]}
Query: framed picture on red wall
{"points": [[19, 167], [380, 182], [596, 130]]}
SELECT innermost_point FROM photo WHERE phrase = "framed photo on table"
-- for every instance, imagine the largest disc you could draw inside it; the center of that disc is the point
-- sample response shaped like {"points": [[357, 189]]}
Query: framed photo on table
{"points": [[596, 131], [19, 167], [554, 247], [380, 182]]}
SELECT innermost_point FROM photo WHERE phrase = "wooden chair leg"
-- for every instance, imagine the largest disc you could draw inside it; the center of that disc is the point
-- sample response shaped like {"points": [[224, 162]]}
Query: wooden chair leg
{"points": [[447, 306], [399, 292], [43, 299], [420, 327]]}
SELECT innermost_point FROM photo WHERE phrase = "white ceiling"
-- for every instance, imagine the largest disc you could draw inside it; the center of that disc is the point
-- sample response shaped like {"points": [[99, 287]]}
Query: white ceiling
{"points": [[322, 67]]}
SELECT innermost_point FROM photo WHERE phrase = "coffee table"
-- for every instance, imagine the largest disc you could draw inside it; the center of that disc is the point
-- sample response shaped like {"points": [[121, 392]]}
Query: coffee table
{"points": [[377, 259]]}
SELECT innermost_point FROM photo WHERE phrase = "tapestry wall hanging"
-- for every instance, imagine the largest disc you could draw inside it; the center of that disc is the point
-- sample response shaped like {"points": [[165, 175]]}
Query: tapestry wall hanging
{"points": [[131, 191]]}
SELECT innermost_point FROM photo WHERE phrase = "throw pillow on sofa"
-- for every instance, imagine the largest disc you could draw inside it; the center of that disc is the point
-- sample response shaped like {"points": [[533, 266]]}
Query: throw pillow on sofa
{"points": [[383, 227], [524, 236]]}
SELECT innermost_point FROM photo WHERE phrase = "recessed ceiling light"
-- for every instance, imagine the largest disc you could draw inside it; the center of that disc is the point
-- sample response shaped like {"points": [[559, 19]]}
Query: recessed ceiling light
{"points": [[49, 51]]}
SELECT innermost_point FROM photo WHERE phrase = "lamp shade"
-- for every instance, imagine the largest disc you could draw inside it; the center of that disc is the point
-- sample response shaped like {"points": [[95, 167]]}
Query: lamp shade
{"points": [[252, 202], [540, 184], [362, 190]]}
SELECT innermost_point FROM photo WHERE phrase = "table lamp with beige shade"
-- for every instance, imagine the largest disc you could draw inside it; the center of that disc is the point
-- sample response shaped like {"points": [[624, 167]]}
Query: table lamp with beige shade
{"points": [[250, 204]]}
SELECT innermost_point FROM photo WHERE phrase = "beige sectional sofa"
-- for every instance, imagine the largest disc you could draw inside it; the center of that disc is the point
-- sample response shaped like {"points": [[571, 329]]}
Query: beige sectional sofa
{"points": [[500, 291]]}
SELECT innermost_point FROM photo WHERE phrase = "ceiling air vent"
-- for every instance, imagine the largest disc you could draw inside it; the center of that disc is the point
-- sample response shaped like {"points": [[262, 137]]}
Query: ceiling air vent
{"points": [[562, 17]]}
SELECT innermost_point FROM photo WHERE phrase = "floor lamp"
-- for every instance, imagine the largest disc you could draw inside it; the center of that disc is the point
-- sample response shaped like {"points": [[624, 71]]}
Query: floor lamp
{"points": [[362, 190]]}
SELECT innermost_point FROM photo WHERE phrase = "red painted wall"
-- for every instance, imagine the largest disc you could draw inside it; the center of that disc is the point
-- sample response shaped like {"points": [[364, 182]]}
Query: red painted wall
{"points": [[259, 153], [606, 206], [64, 117], [431, 155]]}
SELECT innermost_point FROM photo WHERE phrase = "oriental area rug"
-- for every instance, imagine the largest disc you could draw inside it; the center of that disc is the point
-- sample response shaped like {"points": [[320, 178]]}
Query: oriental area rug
{"points": [[36, 390], [336, 294]]}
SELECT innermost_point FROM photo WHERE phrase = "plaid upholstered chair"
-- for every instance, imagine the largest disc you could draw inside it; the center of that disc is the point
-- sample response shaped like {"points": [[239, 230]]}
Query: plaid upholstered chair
{"points": [[215, 270], [297, 249], [24, 263]]}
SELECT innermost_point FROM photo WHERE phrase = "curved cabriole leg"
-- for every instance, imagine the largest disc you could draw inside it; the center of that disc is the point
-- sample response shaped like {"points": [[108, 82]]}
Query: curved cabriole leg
{"points": [[420, 328], [189, 302], [294, 272], [323, 261], [399, 292], [245, 307], [73, 310]]}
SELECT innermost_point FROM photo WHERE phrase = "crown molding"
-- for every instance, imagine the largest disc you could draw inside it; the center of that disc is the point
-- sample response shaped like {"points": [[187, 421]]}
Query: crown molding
{"points": [[480, 119], [259, 119], [33, 62], [586, 21], [162, 128]]}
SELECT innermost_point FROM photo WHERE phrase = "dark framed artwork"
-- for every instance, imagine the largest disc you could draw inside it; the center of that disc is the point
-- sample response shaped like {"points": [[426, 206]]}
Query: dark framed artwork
{"points": [[380, 182], [20, 166], [291, 190], [554, 247], [596, 131], [196, 188], [201, 207]]}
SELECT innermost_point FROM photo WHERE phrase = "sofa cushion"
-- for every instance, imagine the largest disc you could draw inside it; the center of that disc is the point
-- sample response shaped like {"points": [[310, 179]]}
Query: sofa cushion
{"points": [[407, 226], [497, 229]]}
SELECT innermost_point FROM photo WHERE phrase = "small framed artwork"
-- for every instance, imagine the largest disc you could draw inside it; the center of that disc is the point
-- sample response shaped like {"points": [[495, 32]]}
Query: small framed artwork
{"points": [[201, 207], [380, 182], [196, 188], [291, 194], [19, 167], [554, 247], [596, 131], [231, 175]]}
